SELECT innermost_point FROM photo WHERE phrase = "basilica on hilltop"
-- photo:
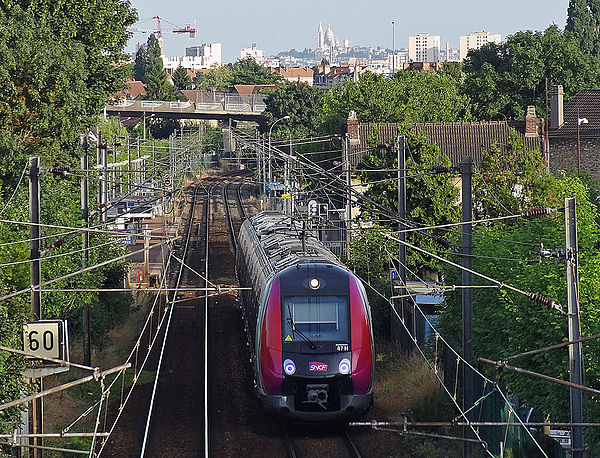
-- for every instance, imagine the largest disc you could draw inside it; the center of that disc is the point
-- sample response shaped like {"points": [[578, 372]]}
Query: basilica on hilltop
{"points": [[328, 45]]}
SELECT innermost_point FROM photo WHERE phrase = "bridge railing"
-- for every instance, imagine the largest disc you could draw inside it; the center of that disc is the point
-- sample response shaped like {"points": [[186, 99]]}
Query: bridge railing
{"points": [[209, 101]]}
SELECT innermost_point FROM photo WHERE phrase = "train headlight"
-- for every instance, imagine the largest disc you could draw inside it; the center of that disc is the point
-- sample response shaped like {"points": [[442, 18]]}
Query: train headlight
{"points": [[344, 366], [289, 367], [314, 283]]}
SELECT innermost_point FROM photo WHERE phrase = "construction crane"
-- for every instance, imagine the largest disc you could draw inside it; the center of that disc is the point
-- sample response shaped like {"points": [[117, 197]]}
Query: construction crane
{"points": [[159, 30]]}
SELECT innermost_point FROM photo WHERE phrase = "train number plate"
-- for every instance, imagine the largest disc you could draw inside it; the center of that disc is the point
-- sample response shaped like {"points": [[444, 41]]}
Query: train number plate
{"points": [[341, 347]]}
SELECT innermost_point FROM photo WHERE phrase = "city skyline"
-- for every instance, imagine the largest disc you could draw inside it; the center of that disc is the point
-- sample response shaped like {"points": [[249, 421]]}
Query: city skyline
{"points": [[237, 23]]}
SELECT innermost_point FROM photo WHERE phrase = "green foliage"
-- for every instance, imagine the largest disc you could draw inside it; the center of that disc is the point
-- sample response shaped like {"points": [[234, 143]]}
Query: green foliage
{"points": [[511, 179], [244, 71], [430, 199], [158, 86], [409, 97], [370, 261], [248, 71], [503, 79], [148, 56], [212, 140], [583, 20], [217, 79], [301, 102], [181, 79], [50, 93], [59, 62], [506, 323]]}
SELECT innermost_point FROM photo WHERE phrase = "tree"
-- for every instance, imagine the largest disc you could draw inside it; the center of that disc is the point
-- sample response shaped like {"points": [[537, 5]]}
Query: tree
{"points": [[509, 180], [410, 96], [139, 66], [506, 323], [583, 21], [303, 103], [217, 79], [148, 56], [248, 71], [430, 199], [503, 79], [181, 79], [50, 93], [158, 86], [59, 63]]}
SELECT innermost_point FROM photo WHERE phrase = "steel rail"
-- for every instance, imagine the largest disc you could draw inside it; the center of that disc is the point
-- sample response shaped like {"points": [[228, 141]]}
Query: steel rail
{"points": [[289, 444], [206, 274], [239, 201], [230, 229], [352, 445], [162, 350]]}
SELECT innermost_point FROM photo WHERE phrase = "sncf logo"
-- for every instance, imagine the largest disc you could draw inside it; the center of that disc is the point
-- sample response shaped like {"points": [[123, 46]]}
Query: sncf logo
{"points": [[317, 367]]}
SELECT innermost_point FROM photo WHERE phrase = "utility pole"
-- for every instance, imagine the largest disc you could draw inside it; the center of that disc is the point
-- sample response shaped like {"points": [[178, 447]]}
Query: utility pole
{"points": [[348, 171], [547, 141], [114, 170], [147, 255], [85, 214], [393, 48], [129, 174], [36, 276], [467, 298], [264, 168], [104, 181], [401, 156], [575, 372]]}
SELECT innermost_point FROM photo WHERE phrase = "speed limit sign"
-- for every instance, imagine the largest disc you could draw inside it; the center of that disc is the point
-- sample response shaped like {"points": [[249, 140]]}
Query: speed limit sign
{"points": [[45, 338]]}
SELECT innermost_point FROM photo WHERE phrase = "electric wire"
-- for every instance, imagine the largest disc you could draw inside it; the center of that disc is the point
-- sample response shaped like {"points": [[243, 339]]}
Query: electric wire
{"points": [[16, 188]]}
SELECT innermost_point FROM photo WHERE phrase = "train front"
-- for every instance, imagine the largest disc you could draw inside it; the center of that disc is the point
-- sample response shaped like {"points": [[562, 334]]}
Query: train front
{"points": [[315, 341]]}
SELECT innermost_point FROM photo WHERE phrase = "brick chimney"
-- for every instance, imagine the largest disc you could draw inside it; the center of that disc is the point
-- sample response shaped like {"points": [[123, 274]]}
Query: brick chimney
{"points": [[531, 122], [352, 128], [556, 107]]}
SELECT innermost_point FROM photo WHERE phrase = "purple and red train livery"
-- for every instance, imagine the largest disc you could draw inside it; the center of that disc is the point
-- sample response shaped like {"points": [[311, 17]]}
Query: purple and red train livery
{"points": [[308, 321]]}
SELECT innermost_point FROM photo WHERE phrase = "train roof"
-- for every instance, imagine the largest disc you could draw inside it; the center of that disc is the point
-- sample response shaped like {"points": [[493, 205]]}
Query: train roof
{"points": [[280, 239]]}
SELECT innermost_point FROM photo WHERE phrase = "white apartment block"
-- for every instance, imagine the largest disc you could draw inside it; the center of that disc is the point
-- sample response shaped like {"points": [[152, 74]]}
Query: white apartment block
{"points": [[475, 41], [424, 48], [256, 54], [196, 57]]}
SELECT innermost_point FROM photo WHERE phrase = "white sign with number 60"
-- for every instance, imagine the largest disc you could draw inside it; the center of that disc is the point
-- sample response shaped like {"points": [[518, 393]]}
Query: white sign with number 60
{"points": [[44, 339]]}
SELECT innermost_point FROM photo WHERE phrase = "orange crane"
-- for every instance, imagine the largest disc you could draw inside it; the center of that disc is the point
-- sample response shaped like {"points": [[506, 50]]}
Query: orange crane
{"points": [[159, 30]]}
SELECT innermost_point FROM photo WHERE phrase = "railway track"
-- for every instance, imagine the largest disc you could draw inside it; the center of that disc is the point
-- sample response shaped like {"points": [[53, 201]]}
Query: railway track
{"points": [[335, 444], [179, 396], [233, 223]]}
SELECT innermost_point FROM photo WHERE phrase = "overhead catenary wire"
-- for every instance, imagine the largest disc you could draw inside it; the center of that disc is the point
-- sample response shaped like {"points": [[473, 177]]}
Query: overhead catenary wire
{"points": [[459, 358], [72, 274], [530, 295], [16, 188]]}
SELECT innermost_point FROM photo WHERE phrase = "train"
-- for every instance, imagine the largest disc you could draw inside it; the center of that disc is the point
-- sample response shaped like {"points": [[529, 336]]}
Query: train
{"points": [[308, 322]]}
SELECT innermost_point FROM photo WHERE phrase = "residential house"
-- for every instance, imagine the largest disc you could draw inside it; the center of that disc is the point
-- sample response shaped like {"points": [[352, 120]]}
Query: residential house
{"points": [[329, 76], [295, 74], [134, 90], [455, 139], [574, 132]]}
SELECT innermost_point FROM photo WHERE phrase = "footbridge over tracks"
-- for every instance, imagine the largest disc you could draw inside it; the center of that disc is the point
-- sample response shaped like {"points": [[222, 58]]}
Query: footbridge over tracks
{"points": [[217, 106]]}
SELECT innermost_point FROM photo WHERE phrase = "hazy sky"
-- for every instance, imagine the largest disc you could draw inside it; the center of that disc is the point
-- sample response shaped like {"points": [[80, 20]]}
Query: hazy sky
{"points": [[278, 25]]}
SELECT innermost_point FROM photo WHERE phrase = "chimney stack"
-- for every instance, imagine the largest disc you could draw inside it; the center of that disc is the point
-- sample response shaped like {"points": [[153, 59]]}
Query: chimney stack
{"points": [[531, 122], [352, 128], [556, 107]]}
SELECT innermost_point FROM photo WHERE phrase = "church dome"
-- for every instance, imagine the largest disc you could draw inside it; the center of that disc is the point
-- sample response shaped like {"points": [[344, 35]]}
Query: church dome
{"points": [[329, 38]]}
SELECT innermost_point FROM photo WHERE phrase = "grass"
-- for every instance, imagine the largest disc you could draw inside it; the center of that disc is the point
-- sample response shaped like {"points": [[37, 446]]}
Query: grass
{"points": [[404, 382]]}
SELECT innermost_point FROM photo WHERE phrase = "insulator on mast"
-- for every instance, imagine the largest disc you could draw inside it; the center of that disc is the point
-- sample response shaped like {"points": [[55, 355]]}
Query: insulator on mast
{"points": [[538, 212]]}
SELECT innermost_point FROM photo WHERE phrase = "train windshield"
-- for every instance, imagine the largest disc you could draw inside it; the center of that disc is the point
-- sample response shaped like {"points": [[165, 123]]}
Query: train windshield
{"points": [[320, 318]]}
